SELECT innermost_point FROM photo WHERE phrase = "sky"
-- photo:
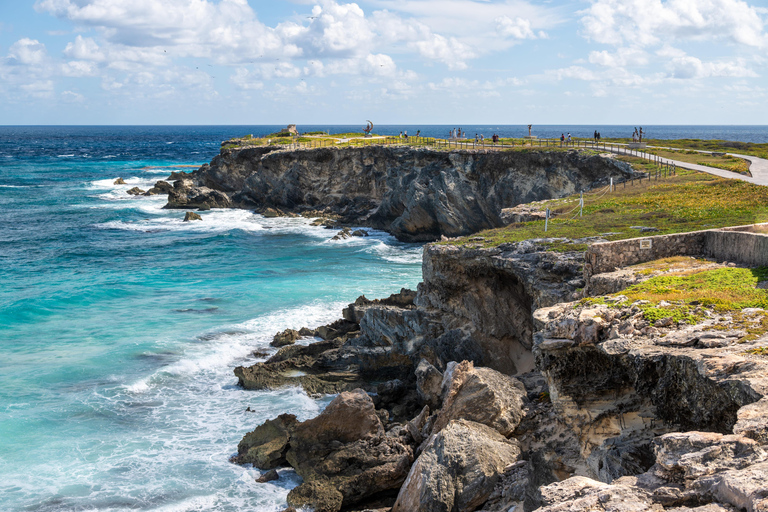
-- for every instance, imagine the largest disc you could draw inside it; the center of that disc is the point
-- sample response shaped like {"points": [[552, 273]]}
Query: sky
{"points": [[391, 61]]}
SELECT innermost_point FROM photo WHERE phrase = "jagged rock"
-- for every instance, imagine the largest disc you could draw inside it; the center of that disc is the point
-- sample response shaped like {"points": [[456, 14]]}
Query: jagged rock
{"points": [[270, 213], [160, 187], [177, 175], [355, 311], [343, 234], [344, 455], [187, 195], [135, 191], [306, 332], [359, 232], [287, 337], [267, 445], [192, 216], [429, 383], [269, 476], [457, 470], [580, 494], [686, 456], [483, 396], [119, 181]]}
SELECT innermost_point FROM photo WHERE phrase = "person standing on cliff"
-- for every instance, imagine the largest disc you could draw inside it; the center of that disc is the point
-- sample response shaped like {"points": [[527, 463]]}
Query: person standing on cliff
{"points": [[562, 139]]}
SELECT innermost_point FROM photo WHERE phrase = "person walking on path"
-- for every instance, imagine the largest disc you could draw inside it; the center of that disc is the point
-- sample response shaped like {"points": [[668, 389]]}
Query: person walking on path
{"points": [[569, 138], [562, 139]]}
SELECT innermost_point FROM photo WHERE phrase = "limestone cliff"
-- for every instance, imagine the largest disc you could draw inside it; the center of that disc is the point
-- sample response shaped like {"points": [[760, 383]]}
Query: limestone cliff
{"points": [[415, 194]]}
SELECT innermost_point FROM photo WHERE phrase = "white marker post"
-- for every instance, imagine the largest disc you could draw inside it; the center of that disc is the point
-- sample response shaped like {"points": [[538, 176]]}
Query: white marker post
{"points": [[611, 184], [546, 221], [581, 204]]}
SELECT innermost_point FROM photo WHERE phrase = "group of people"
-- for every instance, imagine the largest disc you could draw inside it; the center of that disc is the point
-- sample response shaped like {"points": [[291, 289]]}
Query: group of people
{"points": [[404, 134], [637, 136], [565, 139], [597, 136], [456, 133]]}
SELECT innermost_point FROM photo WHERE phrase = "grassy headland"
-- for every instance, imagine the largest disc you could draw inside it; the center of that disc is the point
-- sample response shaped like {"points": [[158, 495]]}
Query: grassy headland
{"points": [[689, 201]]}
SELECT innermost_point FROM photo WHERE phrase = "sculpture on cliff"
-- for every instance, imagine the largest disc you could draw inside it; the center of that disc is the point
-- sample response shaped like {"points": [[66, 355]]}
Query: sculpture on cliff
{"points": [[529, 129], [368, 129]]}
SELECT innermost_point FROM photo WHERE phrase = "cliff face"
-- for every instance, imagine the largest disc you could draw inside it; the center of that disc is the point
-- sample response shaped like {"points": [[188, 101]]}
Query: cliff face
{"points": [[415, 194], [578, 406]]}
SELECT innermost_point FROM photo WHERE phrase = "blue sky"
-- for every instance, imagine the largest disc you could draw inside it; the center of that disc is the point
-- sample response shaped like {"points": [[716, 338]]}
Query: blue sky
{"points": [[392, 61]]}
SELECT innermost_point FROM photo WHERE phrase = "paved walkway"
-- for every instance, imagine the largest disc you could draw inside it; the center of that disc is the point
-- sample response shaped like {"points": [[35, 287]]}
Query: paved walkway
{"points": [[758, 167]]}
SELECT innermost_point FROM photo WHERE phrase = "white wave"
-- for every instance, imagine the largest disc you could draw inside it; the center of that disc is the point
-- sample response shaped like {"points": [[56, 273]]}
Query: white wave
{"points": [[65, 156], [214, 221], [237, 342], [15, 186]]}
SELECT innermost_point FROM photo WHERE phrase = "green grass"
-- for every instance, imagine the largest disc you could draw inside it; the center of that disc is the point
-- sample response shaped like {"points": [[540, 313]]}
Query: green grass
{"points": [[723, 291], [690, 201]]}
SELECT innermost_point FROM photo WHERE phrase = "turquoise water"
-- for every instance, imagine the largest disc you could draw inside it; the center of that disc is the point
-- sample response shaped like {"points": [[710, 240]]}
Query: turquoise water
{"points": [[120, 324]]}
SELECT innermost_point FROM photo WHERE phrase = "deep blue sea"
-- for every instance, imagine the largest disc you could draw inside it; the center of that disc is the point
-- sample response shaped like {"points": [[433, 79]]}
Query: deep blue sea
{"points": [[120, 324]]}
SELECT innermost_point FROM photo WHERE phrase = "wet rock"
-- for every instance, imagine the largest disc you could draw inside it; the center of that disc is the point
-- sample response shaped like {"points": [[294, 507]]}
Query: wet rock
{"points": [[343, 234], [269, 476], [304, 331], [359, 232], [160, 187], [287, 337], [271, 213], [177, 175], [187, 195], [266, 446], [192, 216], [119, 181], [135, 191], [458, 469]]}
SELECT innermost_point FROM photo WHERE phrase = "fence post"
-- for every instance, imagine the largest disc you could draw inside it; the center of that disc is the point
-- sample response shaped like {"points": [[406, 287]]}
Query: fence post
{"points": [[546, 221], [581, 204], [611, 189]]}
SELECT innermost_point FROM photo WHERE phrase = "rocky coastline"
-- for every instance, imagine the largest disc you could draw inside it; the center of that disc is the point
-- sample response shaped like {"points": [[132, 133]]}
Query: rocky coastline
{"points": [[495, 386], [490, 389], [415, 194]]}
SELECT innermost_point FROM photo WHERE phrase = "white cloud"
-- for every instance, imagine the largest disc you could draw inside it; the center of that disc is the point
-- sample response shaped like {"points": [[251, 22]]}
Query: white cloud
{"points": [[518, 28], [450, 51], [27, 52], [647, 22], [688, 67]]}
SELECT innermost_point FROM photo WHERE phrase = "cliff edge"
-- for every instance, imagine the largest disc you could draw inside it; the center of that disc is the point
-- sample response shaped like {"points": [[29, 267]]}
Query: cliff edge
{"points": [[415, 194]]}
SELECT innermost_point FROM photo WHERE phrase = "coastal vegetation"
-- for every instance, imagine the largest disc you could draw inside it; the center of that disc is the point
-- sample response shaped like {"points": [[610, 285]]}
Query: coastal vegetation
{"points": [[730, 296], [689, 201]]}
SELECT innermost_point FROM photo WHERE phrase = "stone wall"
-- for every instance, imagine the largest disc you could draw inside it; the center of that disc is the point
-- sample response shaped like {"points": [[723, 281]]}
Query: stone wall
{"points": [[738, 246], [610, 256], [746, 245]]}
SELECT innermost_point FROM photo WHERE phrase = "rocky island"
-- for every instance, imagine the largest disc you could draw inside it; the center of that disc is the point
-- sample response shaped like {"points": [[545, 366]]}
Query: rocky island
{"points": [[528, 375]]}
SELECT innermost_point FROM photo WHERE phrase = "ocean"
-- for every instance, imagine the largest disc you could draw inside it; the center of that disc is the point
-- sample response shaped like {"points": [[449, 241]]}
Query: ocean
{"points": [[120, 324]]}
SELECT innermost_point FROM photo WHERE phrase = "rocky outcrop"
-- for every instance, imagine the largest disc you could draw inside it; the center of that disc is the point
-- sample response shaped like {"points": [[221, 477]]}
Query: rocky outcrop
{"points": [[287, 337], [344, 455], [415, 194], [458, 469], [186, 195], [119, 181], [192, 216], [160, 187], [135, 191]]}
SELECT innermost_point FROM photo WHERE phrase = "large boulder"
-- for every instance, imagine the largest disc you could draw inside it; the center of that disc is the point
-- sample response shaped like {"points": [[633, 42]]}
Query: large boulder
{"points": [[458, 469], [481, 395], [344, 455], [267, 445]]}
